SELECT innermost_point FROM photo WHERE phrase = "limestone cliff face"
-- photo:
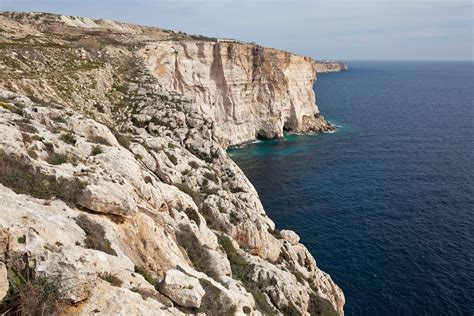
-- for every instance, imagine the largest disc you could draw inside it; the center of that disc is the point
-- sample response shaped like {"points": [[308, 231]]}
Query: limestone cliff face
{"points": [[114, 186], [249, 91], [330, 66]]}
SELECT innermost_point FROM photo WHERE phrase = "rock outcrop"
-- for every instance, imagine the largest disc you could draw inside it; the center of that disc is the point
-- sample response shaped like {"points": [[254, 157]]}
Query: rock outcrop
{"points": [[116, 190], [248, 91], [330, 66]]}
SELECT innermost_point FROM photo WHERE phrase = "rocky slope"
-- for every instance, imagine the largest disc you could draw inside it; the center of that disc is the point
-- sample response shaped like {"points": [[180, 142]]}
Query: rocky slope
{"points": [[116, 193], [330, 66]]}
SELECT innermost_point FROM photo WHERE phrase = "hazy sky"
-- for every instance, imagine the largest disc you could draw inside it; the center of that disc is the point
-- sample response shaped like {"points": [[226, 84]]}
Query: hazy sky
{"points": [[323, 29]]}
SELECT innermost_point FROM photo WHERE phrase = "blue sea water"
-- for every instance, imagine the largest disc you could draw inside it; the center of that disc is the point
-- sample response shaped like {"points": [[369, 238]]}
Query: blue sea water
{"points": [[385, 204]]}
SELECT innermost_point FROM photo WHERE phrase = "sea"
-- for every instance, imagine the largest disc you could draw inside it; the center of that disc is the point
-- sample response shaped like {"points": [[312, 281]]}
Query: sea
{"points": [[386, 203]]}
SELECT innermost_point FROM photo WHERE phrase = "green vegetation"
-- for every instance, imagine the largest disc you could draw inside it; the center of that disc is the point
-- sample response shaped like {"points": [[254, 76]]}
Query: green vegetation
{"points": [[122, 139], [10, 107], [212, 304], [193, 164], [21, 239], [96, 150], [193, 248], [26, 127], [240, 268], [234, 218], [99, 140], [21, 177], [95, 235], [57, 159], [58, 119], [172, 158], [319, 306], [145, 274], [186, 189], [31, 295], [209, 191], [68, 138], [111, 278], [221, 207], [211, 176]]}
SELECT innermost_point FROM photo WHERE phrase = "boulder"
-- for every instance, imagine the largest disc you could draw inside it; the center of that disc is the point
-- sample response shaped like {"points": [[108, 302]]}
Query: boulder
{"points": [[183, 289], [290, 236], [109, 198]]}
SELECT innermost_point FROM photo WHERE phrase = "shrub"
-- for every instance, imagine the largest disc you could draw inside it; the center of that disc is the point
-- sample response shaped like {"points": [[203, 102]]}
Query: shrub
{"points": [[58, 119], [26, 127], [238, 264], [111, 278], [99, 140], [212, 303], [22, 178], [319, 306], [276, 233], [138, 157], [21, 239], [122, 139], [95, 235], [30, 295], [57, 159], [68, 138], [186, 172], [209, 191], [145, 274], [193, 164], [211, 176], [26, 138], [234, 218], [240, 268], [221, 207], [172, 158], [186, 189], [96, 150]]}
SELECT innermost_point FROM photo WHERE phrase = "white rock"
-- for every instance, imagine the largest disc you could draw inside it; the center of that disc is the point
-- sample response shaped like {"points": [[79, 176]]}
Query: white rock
{"points": [[183, 289], [290, 236], [3, 280]]}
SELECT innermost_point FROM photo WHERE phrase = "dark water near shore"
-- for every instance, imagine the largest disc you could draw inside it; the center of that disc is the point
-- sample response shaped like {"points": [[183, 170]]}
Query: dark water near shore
{"points": [[385, 204]]}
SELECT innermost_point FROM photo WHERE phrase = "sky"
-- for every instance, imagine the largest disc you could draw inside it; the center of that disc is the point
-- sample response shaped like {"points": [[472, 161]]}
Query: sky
{"points": [[322, 29]]}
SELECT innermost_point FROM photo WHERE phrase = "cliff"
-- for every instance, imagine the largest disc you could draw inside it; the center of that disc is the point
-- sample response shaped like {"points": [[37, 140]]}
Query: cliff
{"points": [[249, 91], [330, 66], [116, 193]]}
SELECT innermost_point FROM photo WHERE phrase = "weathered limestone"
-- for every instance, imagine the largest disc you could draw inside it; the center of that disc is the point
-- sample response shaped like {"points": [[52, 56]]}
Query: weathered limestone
{"points": [[330, 66], [132, 184], [248, 91], [290, 236], [181, 288], [3, 280]]}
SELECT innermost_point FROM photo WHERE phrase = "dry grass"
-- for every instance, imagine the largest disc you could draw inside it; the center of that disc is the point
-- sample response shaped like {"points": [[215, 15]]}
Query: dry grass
{"points": [[95, 235], [33, 296], [21, 177]]}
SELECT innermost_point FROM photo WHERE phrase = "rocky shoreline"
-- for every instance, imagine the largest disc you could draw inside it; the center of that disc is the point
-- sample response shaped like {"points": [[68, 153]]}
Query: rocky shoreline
{"points": [[115, 186]]}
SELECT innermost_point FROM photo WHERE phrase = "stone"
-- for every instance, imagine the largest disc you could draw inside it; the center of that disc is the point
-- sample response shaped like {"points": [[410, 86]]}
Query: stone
{"points": [[4, 285], [290, 236], [183, 289], [161, 200], [230, 83], [109, 198]]}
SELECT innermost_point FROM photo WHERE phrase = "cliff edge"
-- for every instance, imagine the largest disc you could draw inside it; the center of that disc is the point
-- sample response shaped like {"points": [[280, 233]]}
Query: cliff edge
{"points": [[116, 193], [249, 91]]}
